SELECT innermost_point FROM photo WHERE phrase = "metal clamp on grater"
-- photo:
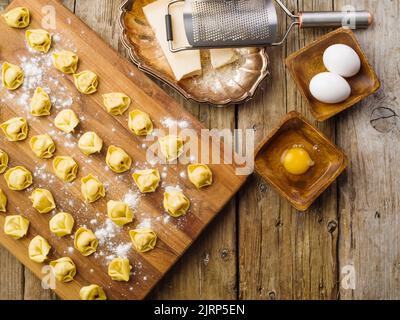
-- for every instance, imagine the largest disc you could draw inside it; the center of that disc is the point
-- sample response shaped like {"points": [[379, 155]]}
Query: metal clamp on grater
{"points": [[244, 23]]}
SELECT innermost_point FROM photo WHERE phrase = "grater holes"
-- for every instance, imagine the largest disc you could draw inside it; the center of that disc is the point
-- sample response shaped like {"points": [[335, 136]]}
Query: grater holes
{"points": [[230, 21]]}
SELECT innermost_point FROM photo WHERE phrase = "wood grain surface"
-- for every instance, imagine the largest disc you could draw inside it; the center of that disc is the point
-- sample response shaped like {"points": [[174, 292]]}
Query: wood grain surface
{"points": [[115, 74], [259, 247]]}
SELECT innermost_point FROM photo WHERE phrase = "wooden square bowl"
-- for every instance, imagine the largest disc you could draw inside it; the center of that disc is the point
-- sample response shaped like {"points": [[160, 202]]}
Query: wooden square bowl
{"points": [[304, 64], [302, 190]]}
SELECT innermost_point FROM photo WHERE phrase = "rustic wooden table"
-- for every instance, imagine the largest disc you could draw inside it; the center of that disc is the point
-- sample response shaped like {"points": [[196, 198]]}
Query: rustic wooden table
{"points": [[346, 246]]}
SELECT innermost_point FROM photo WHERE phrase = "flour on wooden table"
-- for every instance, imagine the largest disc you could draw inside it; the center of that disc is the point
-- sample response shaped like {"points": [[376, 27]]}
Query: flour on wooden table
{"points": [[131, 198], [170, 123], [109, 245], [176, 188], [145, 224]]}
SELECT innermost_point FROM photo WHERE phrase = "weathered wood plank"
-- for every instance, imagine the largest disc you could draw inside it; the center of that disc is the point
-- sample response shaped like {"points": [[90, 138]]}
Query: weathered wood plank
{"points": [[284, 254], [368, 194]]}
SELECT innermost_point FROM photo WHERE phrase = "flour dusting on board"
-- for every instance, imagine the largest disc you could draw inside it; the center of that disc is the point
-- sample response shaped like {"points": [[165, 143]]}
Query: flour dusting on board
{"points": [[110, 246], [171, 123], [131, 198], [176, 188]]}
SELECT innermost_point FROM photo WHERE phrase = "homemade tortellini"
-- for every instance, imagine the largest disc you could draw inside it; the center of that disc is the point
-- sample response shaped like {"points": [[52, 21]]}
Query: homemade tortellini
{"points": [[17, 18], [12, 76], [176, 203], [38, 249], [64, 269], [92, 292], [40, 103], [140, 123], [16, 226], [66, 120], [65, 61], [38, 39], [92, 189], [3, 201], [200, 175], [18, 178], [86, 82], [118, 160], [119, 269], [116, 103], [3, 161], [171, 147], [42, 146], [119, 212], [65, 168], [42, 200], [143, 239], [61, 224], [15, 129], [146, 180], [85, 241], [90, 143]]}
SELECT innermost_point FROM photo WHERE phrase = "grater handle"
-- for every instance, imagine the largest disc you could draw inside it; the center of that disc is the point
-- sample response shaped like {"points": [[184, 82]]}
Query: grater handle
{"points": [[352, 19]]}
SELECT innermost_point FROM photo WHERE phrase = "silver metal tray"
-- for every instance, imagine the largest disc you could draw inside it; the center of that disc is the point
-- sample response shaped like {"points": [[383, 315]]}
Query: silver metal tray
{"points": [[232, 84]]}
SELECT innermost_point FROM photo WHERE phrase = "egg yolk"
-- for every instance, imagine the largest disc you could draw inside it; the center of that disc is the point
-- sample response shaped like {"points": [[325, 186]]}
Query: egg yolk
{"points": [[296, 161]]}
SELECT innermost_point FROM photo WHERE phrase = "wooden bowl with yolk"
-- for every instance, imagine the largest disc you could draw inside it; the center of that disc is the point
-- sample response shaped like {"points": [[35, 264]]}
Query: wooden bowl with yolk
{"points": [[303, 189]]}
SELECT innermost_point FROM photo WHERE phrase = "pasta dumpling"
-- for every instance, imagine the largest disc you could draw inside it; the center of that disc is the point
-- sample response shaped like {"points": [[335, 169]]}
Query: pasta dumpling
{"points": [[12, 76], [90, 143], [3, 201], [92, 189], [42, 200], [200, 175], [66, 120], [146, 180], [15, 129], [18, 178], [119, 212], [86, 82], [119, 269], [38, 39], [92, 292], [42, 146], [85, 241], [3, 161], [61, 224], [176, 203], [64, 269], [140, 123], [65, 168], [16, 226], [38, 249], [17, 18], [40, 103], [116, 103], [118, 160], [171, 147], [143, 239], [65, 61]]}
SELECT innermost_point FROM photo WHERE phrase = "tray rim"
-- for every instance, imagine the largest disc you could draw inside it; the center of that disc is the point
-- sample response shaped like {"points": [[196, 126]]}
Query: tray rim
{"points": [[122, 10]]}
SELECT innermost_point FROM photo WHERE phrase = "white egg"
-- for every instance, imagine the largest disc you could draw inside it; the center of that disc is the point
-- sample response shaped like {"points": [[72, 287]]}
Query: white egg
{"points": [[329, 88], [342, 60]]}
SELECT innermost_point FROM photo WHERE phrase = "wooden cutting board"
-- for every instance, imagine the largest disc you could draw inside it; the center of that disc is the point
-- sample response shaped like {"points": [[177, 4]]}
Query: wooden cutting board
{"points": [[115, 74]]}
